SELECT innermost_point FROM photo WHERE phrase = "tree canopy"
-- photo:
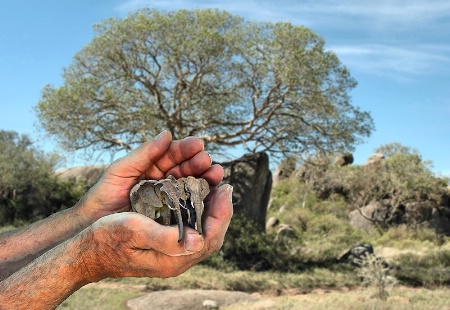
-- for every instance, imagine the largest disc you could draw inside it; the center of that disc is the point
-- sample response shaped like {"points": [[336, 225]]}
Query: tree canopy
{"points": [[266, 86], [28, 188]]}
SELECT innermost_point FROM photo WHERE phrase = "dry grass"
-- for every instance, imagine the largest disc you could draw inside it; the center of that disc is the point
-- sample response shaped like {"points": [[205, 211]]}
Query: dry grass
{"points": [[113, 295], [401, 299]]}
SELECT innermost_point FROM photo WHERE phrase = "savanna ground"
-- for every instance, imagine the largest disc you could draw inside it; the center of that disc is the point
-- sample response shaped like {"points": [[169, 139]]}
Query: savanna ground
{"points": [[317, 289], [421, 283]]}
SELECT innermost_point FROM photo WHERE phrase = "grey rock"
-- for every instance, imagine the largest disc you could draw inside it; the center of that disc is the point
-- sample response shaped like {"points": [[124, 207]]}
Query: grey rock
{"points": [[374, 160], [374, 210], [284, 231], [356, 252], [210, 304], [251, 179], [88, 174], [344, 159], [272, 222], [188, 299]]}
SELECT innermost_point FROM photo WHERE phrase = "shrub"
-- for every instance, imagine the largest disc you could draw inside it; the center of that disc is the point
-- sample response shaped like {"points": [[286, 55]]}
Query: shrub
{"points": [[29, 190], [375, 275], [245, 247], [428, 270]]}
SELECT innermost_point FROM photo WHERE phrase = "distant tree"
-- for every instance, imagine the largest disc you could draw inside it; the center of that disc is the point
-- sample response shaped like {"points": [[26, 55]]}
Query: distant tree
{"points": [[28, 188], [390, 149], [266, 86]]}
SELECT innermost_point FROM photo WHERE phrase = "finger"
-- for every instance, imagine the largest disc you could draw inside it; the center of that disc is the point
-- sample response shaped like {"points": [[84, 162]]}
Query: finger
{"points": [[213, 175], [180, 151], [164, 239], [142, 160], [217, 217], [195, 166]]}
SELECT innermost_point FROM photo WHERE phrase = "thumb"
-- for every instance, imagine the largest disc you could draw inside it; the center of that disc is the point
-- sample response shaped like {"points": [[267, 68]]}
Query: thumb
{"points": [[164, 239]]}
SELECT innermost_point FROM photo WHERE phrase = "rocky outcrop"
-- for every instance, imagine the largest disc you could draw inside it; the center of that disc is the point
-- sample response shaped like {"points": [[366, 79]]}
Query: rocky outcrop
{"points": [[429, 207], [251, 179], [88, 174]]}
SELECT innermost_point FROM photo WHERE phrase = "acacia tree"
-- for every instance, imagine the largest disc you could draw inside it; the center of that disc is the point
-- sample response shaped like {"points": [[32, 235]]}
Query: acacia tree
{"points": [[267, 86]]}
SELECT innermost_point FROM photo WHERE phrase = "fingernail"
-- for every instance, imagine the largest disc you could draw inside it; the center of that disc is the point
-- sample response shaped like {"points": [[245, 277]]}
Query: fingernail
{"points": [[210, 159], [229, 190], [193, 243], [162, 134]]}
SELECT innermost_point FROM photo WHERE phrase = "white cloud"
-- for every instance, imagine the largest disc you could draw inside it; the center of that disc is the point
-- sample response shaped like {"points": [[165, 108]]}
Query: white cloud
{"points": [[381, 11], [395, 61], [388, 37]]}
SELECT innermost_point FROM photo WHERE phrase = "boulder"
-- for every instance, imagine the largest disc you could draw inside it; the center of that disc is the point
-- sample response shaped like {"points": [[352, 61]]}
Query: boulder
{"points": [[88, 174], [284, 232], [344, 159], [374, 160], [272, 222], [251, 179], [189, 299], [357, 252], [374, 210]]}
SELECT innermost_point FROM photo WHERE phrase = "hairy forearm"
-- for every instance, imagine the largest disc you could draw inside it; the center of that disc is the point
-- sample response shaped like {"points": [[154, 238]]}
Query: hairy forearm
{"points": [[20, 247], [48, 280]]}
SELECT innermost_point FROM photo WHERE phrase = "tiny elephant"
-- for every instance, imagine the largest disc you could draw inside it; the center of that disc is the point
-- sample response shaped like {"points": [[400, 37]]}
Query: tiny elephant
{"points": [[184, 197]]}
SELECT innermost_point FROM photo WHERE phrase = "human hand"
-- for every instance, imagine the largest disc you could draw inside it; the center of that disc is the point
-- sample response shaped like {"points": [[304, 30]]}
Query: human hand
{"points": [[129, 244], [153, 160]]}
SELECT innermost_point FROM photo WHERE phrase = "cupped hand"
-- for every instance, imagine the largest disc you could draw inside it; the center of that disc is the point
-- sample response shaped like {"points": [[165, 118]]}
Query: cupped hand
{"points": [[155, 159], [130, 244]]}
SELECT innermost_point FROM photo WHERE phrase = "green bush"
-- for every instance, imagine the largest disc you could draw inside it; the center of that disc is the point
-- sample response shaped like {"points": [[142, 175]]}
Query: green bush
{"points": [[247, 248], [29, 190], [425, 270]]}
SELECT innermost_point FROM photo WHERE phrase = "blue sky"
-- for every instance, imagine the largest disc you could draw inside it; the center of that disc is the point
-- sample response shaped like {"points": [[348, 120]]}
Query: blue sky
{"points": [[398, 51]]}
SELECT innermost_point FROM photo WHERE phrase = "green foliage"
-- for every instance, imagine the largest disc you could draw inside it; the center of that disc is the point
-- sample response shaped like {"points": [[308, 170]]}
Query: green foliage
{"points": [[404, 237], [320, 231], [206, 73], [28, 188], [322, 228], [247, 248], [429, 269], [395, 148]]}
